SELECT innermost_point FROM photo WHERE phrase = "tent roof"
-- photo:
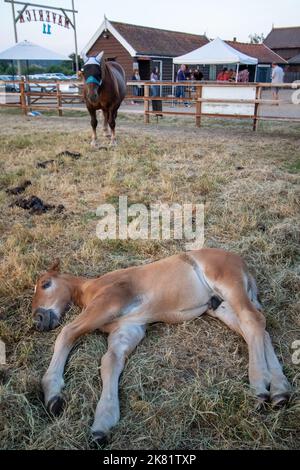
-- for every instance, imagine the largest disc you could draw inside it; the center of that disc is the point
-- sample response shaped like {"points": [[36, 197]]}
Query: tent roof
{"points": [[295, 60], [215, 52], [26, 50]]}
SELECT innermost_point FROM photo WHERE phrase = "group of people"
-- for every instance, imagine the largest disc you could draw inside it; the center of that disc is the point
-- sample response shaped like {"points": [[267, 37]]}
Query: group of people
{"points": [[224, 75], [154, 77], [230, 75], [185, 74]]}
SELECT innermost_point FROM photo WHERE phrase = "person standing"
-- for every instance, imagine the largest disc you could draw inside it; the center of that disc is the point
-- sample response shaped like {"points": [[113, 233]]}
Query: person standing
{"points": [[181, 77], [277, 78], [154, 78], [223, 76], [137, 89], [198, 75], [243, 75]]}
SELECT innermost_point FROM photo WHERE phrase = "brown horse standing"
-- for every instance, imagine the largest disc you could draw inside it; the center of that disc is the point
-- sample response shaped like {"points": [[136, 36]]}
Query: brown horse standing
{"points": [[105, 88]]}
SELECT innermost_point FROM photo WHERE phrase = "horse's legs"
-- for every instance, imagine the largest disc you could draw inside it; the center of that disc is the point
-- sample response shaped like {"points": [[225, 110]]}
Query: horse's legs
{"points": [[280, 387], [94, 124], [112, 115], [105, 123], [120, 344], [259, 375], [273, 377], [53, 382]]}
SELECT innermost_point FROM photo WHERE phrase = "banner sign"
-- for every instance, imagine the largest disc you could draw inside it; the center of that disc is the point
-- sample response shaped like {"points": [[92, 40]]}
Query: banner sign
{"points": [[45, 16]]}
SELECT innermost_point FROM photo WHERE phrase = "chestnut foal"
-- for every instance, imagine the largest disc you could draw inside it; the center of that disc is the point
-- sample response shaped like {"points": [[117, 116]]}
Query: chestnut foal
{"points": [[172, 290]]}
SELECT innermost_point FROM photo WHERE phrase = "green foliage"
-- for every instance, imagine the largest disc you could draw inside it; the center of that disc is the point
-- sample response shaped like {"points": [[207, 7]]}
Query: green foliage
{"points": [[8, 67], [256, 38]]}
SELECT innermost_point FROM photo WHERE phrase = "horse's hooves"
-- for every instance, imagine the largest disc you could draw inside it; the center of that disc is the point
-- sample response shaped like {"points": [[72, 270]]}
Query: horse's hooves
{"points": [[262, 401], [280, 400], [99, 439], [94, 144], [56, 405]]}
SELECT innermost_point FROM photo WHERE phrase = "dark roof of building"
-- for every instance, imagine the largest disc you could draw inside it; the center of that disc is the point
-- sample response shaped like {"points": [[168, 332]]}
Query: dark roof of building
{"points": [[160, 42], [283, 38], [295, 60], [260, 51]]}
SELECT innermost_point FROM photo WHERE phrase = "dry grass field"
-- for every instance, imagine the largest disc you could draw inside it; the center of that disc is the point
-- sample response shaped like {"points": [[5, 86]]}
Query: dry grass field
{"points": [[185, 386]]}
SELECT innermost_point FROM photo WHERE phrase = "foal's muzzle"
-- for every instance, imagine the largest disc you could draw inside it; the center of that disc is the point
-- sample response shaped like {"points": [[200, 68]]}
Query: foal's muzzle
{"points": [[45, 319]]}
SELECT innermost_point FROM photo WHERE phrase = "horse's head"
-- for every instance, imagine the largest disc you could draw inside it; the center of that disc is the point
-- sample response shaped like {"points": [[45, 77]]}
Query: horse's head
{"points": [[93, 72], [52, 294]]}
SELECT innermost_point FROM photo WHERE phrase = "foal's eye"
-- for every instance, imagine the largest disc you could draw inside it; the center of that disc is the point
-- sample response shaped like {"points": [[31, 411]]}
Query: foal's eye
{"points": [[46, 284]]}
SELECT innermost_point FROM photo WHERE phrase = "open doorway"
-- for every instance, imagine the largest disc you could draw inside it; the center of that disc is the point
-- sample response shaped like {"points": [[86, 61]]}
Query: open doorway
{"points": [[144, 69]]}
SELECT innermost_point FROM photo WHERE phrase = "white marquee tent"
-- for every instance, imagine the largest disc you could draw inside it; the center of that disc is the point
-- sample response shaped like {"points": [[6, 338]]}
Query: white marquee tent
{"points": [[26, 50], [214, 53]]}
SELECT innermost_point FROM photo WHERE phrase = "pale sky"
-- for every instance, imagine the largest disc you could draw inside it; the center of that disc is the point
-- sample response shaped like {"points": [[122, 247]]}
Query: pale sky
{"points": [[223, 18]]}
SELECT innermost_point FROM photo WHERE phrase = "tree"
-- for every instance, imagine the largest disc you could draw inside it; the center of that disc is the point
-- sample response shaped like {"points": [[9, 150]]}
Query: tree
{"points": [[257, 38]]}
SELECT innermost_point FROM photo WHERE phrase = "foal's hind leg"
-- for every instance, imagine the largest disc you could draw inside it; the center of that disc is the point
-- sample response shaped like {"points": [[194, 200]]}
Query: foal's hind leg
{"points": [[278, 388], [253, 333], [120, 344]]}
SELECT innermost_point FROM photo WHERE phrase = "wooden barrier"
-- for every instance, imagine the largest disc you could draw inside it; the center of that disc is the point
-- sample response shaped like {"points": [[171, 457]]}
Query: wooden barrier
{"points": [[199, 100], [200, 95]]}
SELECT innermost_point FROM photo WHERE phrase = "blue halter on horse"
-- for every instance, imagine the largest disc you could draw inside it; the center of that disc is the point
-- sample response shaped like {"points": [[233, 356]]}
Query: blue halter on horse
{"points": [[92, 79]]}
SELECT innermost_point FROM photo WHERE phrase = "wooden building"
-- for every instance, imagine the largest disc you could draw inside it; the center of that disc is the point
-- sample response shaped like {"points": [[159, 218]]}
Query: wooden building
{"points": [[284, 41], [142, 47], [265, 57], [145, 48]]}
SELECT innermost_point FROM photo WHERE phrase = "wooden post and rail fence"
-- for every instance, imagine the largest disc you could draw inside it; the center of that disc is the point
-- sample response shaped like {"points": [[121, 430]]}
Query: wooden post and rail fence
{"points": [[200, 99]]}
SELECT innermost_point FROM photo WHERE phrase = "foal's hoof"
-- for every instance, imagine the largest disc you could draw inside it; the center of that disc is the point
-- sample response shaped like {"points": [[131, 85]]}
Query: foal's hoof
{"points": [[99, 439], [94, 144], [262, 401], [280, 400], [55, 405]]}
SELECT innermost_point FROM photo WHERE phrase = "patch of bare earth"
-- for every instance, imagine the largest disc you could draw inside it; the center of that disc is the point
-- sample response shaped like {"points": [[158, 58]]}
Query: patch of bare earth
{"points": [[185, 386]]}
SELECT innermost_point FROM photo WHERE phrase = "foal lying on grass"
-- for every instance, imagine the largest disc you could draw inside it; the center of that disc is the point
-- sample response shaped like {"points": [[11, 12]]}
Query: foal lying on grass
{"points": [[172, 290]]}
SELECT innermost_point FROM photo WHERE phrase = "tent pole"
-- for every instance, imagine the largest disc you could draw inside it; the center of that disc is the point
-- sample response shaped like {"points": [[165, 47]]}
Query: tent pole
{"points": [[255, 76], [237, 72], [75, 38], [16, 34]]}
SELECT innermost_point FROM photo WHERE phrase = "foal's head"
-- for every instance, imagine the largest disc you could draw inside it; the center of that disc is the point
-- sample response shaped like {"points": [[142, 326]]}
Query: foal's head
{"points": [[93, 72], [52, 295]]}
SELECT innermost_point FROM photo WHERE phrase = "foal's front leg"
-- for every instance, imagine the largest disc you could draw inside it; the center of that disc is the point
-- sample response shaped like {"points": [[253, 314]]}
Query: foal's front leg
{"points": [[52, 382], [120, 344]]}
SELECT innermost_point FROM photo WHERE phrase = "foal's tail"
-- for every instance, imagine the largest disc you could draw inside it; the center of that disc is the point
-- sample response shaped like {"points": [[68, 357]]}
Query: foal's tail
{"points": [[252, 291]]}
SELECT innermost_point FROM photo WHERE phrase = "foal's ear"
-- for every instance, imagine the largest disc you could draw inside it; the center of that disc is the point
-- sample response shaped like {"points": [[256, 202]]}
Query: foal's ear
{"points": [[55, 266]]}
